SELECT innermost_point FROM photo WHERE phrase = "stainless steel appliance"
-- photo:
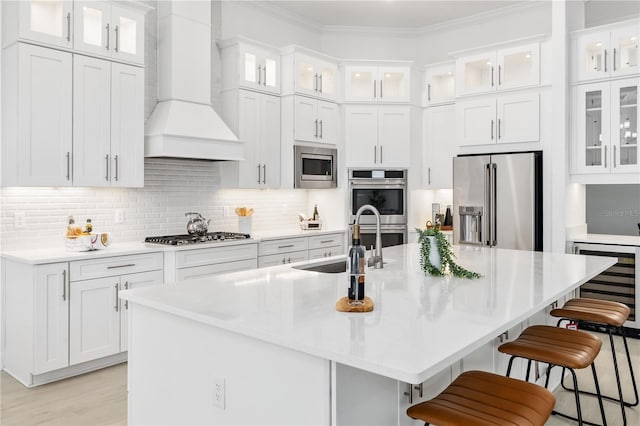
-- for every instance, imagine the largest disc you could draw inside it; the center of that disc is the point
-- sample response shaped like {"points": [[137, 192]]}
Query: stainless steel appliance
{"points": [[315, 167], [209, 237], [497, 200], [386, 190]]}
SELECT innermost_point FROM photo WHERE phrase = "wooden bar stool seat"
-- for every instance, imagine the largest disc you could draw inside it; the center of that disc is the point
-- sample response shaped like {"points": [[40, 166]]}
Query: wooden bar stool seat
{"points": [[612, 316], [570, 349], [476, 398]]}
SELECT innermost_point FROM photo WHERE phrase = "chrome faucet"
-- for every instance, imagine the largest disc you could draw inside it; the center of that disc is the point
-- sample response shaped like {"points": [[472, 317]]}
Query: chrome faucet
{"points": [[376, 260]]}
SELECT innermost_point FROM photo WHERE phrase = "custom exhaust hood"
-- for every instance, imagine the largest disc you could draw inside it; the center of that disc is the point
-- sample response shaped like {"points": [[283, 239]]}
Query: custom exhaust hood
{"points": [[183, 123]]}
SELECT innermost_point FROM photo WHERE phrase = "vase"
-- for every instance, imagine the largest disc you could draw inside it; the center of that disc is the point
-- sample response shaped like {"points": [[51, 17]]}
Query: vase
{"points": [[434, 255]]}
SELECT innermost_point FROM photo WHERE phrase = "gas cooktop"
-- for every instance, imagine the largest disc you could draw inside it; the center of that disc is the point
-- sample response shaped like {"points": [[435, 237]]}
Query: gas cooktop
{"points": [[209, 237]]}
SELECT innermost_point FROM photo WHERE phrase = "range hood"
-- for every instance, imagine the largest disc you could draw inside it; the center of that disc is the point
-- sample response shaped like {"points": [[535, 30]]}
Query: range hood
{"points": [[183, 123]]}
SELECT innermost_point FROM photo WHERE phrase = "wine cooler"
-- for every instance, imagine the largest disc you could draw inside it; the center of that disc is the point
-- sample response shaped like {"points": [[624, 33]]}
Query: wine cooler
{"points": [[618, 283]]}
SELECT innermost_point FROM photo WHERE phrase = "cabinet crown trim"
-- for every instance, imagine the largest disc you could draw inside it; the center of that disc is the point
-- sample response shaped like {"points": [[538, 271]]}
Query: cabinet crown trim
{"points": [[605, 27], [515, 42]]}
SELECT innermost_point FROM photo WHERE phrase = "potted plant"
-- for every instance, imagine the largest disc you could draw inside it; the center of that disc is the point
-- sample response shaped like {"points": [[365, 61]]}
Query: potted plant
{"points": [[436, 255]]}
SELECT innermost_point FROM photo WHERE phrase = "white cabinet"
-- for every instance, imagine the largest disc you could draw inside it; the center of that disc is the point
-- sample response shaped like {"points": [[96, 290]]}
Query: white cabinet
{"points": [[502, 119], [605, 133], [315, 76], [439, 84], [439, 146], [315, 120], [373, 83], [47, 22], [51, 322], [377, 135], [37, 116], [326, 245], [107, 30], [203, 262], [251, 65], [505, 68], [127, 282], [297, 249], [606, 52], [108, 131], [488, 358], [255, 118]]}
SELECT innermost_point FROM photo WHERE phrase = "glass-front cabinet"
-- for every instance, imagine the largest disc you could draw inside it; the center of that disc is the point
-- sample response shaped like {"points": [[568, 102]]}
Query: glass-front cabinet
{"points": [[251, 65], [372, 83], [606, 53], [316, 77], [439, 84], [109, 31], [49, 22], [506, 68], [606, 127]]}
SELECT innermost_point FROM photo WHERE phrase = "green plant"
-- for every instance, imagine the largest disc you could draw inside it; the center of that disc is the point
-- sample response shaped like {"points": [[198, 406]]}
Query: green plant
{"points": [[446, 256]]}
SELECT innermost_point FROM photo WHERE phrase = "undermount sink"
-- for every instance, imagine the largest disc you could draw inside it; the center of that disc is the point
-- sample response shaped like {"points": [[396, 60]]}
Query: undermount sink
{"points": [[335, 267]]}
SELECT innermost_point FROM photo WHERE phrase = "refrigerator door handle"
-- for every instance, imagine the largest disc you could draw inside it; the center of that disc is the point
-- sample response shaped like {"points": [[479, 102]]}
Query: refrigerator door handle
{"points": [[494, 207], [487, 202]]}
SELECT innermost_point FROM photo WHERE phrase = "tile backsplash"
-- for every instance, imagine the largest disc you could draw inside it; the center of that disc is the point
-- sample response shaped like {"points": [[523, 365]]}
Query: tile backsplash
{"points": [[172, 187]]}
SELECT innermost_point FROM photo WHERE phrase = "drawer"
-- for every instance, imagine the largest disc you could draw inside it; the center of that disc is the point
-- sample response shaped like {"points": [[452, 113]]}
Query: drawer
{"points": [[326, 240], [213, 255], [285, 245], [282, 259], [319, 253], [218, 268], [113, 266]]}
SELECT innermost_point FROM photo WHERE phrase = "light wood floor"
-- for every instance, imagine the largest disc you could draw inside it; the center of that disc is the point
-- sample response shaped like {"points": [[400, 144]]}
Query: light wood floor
{"points": [[100, 398]]}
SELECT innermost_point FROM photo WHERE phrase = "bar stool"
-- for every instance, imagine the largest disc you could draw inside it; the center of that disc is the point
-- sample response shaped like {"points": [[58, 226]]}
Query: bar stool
{"points": [[476, 398], [611, 316], [555, 346]]}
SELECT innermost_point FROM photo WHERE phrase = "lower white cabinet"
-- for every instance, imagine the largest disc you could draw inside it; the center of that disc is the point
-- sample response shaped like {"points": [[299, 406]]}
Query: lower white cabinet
{"points": [[204, 262], [297, 249], [501, 119], [439, 146], [326, 245], [63, 314]]}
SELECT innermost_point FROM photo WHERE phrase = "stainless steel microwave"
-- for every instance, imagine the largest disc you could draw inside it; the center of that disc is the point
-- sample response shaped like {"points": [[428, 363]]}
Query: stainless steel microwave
{"points": [[315, 167]]}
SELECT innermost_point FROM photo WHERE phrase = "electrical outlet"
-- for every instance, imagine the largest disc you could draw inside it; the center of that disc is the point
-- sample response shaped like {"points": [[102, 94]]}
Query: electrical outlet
{"points": [[19, 220], [227, 211], [218, 392], [118, 216]]}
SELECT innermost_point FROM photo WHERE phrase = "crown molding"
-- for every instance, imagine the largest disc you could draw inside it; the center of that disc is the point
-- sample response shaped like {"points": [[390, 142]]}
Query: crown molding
{"points": [[280, 12]]}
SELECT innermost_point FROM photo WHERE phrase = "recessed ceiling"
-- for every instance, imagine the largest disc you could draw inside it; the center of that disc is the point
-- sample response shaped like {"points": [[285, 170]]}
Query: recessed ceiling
{"points": [[386, 13]]}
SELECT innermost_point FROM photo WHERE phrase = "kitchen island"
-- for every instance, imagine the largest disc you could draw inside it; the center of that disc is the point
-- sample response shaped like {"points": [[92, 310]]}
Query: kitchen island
{"points": [[267, 346]]}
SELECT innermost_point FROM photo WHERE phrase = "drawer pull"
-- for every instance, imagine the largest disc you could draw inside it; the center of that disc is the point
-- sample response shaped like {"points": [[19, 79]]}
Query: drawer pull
{"points": [[285, 246], [121, 266], [326, 241]]}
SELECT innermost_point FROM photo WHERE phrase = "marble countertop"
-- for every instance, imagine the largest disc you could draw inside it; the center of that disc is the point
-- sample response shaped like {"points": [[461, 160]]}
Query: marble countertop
{"points": [[39, 256], [420, 324]]}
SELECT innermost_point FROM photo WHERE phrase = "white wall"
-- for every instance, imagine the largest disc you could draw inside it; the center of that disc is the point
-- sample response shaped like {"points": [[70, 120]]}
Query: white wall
{"points": [[356, 43], [601, 12]]}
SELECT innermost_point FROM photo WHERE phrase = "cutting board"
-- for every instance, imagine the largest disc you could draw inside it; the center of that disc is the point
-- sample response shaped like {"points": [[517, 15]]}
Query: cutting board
{"points": [[343, 305]]}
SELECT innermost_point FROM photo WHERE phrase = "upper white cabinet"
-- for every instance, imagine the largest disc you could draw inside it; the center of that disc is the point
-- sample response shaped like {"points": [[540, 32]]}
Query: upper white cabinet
{"points": [[377, 135], [47, 22], [255, 118], [315, 120], [439, 146], [502, 119], [506, 68], [309, 73], [101, 28], [606, 51], [108, 121], [439, 84], [37, 116], [250, 65], [377, 83], [606, 128]]}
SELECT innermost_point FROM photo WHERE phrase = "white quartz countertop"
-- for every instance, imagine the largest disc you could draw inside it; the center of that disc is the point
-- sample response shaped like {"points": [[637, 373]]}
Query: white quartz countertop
{"points": [[420, 324], [618, 240]]}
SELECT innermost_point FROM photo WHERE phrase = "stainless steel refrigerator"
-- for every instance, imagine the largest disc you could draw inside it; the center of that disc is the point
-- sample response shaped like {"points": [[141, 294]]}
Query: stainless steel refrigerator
{"points": [[497, 200]]}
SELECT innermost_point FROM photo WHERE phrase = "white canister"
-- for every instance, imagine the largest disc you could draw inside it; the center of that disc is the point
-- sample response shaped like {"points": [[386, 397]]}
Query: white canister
{"points": [[244, 224]]}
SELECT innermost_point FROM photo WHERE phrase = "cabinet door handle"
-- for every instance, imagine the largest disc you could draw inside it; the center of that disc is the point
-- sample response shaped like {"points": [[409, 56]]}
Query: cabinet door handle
{"points": [[126, 302], [68, 165], [284, 260], [258, 75], [614, 60], [429, 175], [106, 162], [374, 88], [69, 26], [605, 60], [264, 71], [320, 80], [375, 154], [320, 129], [116, 161], [605, 156], [491, 76], [429, 92], [499, 75], [419, 388], [499, 125], [117, 300], [315, 82], [380, 88], [288, 260], [381, 160], [64, 284], [117, 31], [107, 28], [614, 157], [258, 172], [121, 266], [316, 133], [491, 129], [410, 393], [264, 173]]}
